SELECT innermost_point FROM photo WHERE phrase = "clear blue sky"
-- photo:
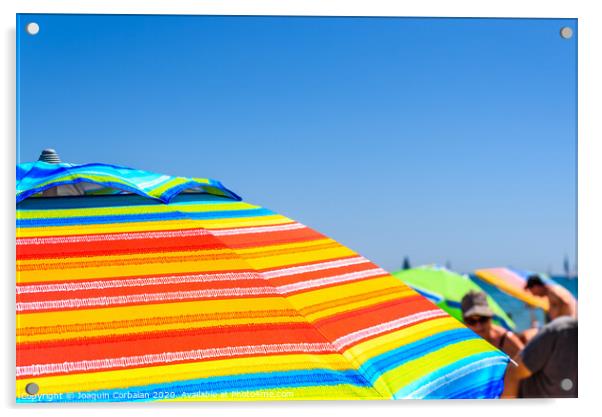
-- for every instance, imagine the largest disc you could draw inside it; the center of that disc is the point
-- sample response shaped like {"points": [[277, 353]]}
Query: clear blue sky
{"points": [[441, 139]]}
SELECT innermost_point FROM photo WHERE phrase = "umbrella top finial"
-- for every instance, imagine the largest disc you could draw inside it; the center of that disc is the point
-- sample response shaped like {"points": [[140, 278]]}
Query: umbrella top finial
{"points": [[50, 156]]}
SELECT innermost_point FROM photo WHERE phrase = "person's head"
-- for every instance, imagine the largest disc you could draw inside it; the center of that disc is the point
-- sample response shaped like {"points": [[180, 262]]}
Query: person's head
{"points": [[536, 286], [476, 312]]}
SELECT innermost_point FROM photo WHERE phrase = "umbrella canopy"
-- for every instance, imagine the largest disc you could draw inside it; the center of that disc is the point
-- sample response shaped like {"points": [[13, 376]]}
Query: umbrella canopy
{"points": [[94, 179], [446, 289], [128, 298], [513, 281]]}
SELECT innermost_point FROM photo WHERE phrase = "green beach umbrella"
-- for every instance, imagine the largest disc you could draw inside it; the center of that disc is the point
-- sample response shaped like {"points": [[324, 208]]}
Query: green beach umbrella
{"points": [[446, 289]]}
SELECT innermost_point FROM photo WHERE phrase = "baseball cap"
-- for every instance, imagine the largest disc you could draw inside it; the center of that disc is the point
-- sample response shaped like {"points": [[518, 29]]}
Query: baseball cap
{"points": [[474, 303]]}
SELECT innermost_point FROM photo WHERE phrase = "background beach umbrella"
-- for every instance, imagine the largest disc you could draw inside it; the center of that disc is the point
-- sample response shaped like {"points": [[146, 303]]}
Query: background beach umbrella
{"points": [[513, 281], [446, 289], [167, 294]]}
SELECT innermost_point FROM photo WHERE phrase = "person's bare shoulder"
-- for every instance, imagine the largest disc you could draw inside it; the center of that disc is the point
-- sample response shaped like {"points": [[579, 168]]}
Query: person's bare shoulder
{"points": [[562, 294]]}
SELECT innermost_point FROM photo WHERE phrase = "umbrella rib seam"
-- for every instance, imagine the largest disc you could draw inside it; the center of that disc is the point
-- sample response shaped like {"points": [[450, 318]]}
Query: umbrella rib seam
{"points": [[285, 298]]}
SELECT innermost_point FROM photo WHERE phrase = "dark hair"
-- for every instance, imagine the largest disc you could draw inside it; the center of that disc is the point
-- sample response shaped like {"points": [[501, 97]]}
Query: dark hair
{"points": [[534, 280]]}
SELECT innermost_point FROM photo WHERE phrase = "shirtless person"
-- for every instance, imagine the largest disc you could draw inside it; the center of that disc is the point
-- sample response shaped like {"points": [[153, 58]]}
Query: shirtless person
{"points": [[561, 301], [477, 316]]}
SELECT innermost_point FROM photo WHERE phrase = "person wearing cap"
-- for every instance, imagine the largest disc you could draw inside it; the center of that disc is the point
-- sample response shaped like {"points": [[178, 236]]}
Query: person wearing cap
{"points": [[560, 299], [477, 316]]}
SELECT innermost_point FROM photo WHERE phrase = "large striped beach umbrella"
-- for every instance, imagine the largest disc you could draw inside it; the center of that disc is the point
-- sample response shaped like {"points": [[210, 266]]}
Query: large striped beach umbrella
{"points": [[133, 286], [446, 289]]}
